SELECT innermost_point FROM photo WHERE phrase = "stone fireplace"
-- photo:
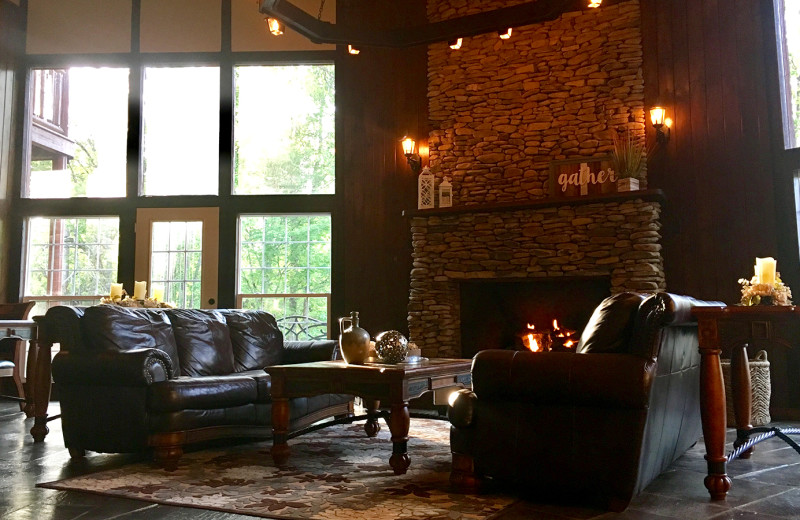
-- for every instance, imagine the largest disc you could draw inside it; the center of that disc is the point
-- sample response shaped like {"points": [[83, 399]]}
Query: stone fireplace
{"points": [[614, 237]]}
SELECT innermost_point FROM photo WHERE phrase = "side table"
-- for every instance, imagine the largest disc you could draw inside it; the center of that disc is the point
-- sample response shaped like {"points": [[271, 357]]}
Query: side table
{"points": [[753, 323]]}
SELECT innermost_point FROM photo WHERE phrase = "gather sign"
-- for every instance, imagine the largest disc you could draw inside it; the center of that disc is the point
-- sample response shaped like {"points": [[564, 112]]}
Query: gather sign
{"points": [[580, 177]]}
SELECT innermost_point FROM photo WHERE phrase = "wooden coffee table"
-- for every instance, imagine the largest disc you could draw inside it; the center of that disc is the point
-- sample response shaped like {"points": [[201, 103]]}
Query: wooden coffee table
{"points": [[394, 385]]}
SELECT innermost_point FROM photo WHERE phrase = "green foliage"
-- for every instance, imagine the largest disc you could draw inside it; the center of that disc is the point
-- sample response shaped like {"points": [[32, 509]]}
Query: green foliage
{"points": [[82, 165]]}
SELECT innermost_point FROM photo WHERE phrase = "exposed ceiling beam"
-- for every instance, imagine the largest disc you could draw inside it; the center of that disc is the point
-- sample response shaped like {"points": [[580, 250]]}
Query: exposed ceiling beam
{"points": [[497, 20]]}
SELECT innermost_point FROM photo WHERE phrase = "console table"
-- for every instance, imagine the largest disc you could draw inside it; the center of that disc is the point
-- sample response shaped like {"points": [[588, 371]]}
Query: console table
{"points": [[729, 329]]}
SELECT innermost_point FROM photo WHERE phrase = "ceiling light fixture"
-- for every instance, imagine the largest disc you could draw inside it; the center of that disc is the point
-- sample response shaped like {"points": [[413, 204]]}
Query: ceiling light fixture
{"points": [[275, 26], [352, 50]]}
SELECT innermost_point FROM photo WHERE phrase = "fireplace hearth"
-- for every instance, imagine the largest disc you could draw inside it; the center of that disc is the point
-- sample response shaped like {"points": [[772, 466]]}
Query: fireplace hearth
{"points": [[614, 238], [496, 314]]}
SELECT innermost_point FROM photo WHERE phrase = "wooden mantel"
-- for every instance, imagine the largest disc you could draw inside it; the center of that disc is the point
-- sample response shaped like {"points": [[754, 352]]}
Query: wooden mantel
{"points": [[548, 202]]}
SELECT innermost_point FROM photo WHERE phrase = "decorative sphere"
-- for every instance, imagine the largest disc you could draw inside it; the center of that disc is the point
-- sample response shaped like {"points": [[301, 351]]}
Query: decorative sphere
{"points": [[391, 346]]}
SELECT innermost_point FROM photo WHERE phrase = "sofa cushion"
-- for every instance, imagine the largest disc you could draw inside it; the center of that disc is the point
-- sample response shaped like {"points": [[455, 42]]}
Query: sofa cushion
{"points": [[611, 324], [202, 393], [111, 327], [257, 340], [204, 343]]}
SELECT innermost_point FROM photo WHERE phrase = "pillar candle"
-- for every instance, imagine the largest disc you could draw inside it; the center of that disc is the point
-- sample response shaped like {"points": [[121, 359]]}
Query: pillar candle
{"points": [[766, 268], [158, 293], [139, 290], [116, 291]]}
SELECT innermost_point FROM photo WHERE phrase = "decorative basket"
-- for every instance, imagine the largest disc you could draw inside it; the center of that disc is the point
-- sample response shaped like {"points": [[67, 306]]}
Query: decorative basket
{"points": [[760, 387]]}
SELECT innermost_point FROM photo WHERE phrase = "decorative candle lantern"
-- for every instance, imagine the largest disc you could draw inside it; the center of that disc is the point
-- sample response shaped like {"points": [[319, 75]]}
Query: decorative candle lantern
{"points": [[445, 194], [425, 189]]}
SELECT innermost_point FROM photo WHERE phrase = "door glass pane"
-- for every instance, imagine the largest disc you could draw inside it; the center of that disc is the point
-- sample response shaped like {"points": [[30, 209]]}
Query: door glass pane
{"points": [[285, 269], [71, 261], [180, 143], [78, 128], [176, 261], [787, 17], [284, 129]]}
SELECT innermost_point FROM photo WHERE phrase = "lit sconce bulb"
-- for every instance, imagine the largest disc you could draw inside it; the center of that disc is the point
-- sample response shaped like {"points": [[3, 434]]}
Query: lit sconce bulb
{"points": [[352, 50], [455, 44], [506, 35], [668, 122], [275, 26], [595, 3]]}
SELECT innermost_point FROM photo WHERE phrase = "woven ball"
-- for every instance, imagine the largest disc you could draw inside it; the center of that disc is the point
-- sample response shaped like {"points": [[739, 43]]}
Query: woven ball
{"points": [[391, 346]]}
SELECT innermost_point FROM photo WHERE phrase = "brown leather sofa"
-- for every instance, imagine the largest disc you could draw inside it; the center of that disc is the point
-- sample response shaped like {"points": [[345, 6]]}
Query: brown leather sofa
{"points": [[131, 379], [596, 426]]}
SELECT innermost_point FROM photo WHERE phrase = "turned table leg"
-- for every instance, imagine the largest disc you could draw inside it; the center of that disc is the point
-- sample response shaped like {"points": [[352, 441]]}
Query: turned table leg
{"points": [[399, 423], [280, 430], [712, 410], [41, 388]]}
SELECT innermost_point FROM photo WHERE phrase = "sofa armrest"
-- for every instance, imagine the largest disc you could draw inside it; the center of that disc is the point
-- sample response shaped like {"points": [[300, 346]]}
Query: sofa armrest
{"points": [[307, 351], [563, 378], [138, 367]]}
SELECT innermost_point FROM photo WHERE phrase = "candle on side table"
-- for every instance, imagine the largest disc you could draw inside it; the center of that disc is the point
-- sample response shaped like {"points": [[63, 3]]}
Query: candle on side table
{"points": [[158, 293], [766, 269], [139, 290], [116, 291]]}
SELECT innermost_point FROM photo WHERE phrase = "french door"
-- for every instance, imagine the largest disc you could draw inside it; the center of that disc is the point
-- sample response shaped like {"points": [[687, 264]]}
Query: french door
{"points": [[177, 253]]}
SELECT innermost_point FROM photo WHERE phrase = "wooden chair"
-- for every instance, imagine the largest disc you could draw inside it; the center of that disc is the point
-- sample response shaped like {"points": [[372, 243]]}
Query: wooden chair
{"points": [[14, 367]]}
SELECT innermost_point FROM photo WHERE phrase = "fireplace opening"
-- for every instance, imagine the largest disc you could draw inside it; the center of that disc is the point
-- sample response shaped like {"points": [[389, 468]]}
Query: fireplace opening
{"points": [[497, 314]]}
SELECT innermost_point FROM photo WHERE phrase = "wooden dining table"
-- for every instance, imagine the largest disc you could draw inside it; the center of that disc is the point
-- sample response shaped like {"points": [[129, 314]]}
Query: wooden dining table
{"points": [[37, 370]]}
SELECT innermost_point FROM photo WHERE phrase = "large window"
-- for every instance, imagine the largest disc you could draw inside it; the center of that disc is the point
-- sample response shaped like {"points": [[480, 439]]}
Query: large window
{"points": [[285, 269], [787, 14], [284, 129], [180, 146], [77, 132], [70, 260]]}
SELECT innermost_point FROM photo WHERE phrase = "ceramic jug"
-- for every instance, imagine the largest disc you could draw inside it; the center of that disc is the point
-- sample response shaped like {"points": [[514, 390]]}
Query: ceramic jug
{"points": [[353, 340]]}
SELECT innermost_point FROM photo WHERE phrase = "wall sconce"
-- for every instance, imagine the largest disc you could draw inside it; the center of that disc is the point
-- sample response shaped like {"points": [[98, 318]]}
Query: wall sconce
{"points": [[455, 44], [352, 50], [413, 158], [595, 3], [505, 35], [275, 26], [659, 120]]}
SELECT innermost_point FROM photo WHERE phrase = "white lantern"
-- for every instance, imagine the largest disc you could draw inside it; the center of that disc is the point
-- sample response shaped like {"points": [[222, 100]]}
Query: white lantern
{"points": [[425, 189], [445, 194]]}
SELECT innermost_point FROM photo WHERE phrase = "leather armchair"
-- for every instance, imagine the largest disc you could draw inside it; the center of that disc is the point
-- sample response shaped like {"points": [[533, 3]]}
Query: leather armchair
{"points": [[593, 426]]}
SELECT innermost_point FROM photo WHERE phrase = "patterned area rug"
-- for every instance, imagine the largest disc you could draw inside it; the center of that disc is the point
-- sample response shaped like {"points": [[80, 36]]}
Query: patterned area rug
{"points": [[333, 473]]}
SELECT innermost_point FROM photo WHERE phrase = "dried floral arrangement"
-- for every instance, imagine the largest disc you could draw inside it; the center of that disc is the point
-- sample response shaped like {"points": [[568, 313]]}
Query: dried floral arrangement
{"points": [[755, 293], [124, 301]]}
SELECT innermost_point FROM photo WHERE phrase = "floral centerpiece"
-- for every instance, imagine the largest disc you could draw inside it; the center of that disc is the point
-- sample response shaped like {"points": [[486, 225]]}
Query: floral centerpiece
{"points": [[118, 296], [766, 286]]}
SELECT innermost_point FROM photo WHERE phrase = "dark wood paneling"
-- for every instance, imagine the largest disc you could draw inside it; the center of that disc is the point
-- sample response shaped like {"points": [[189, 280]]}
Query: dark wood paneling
{"points": [[11, 36], [380, 95], [706, 62]]}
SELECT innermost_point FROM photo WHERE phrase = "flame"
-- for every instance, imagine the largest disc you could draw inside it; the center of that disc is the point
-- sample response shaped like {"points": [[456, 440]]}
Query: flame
{"points": [[569, 343], [555, 325], [530, 327], [532, 344]]}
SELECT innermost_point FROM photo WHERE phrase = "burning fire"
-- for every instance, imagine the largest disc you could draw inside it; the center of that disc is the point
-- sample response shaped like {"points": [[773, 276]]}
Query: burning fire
{"points": [[555, 339]]}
